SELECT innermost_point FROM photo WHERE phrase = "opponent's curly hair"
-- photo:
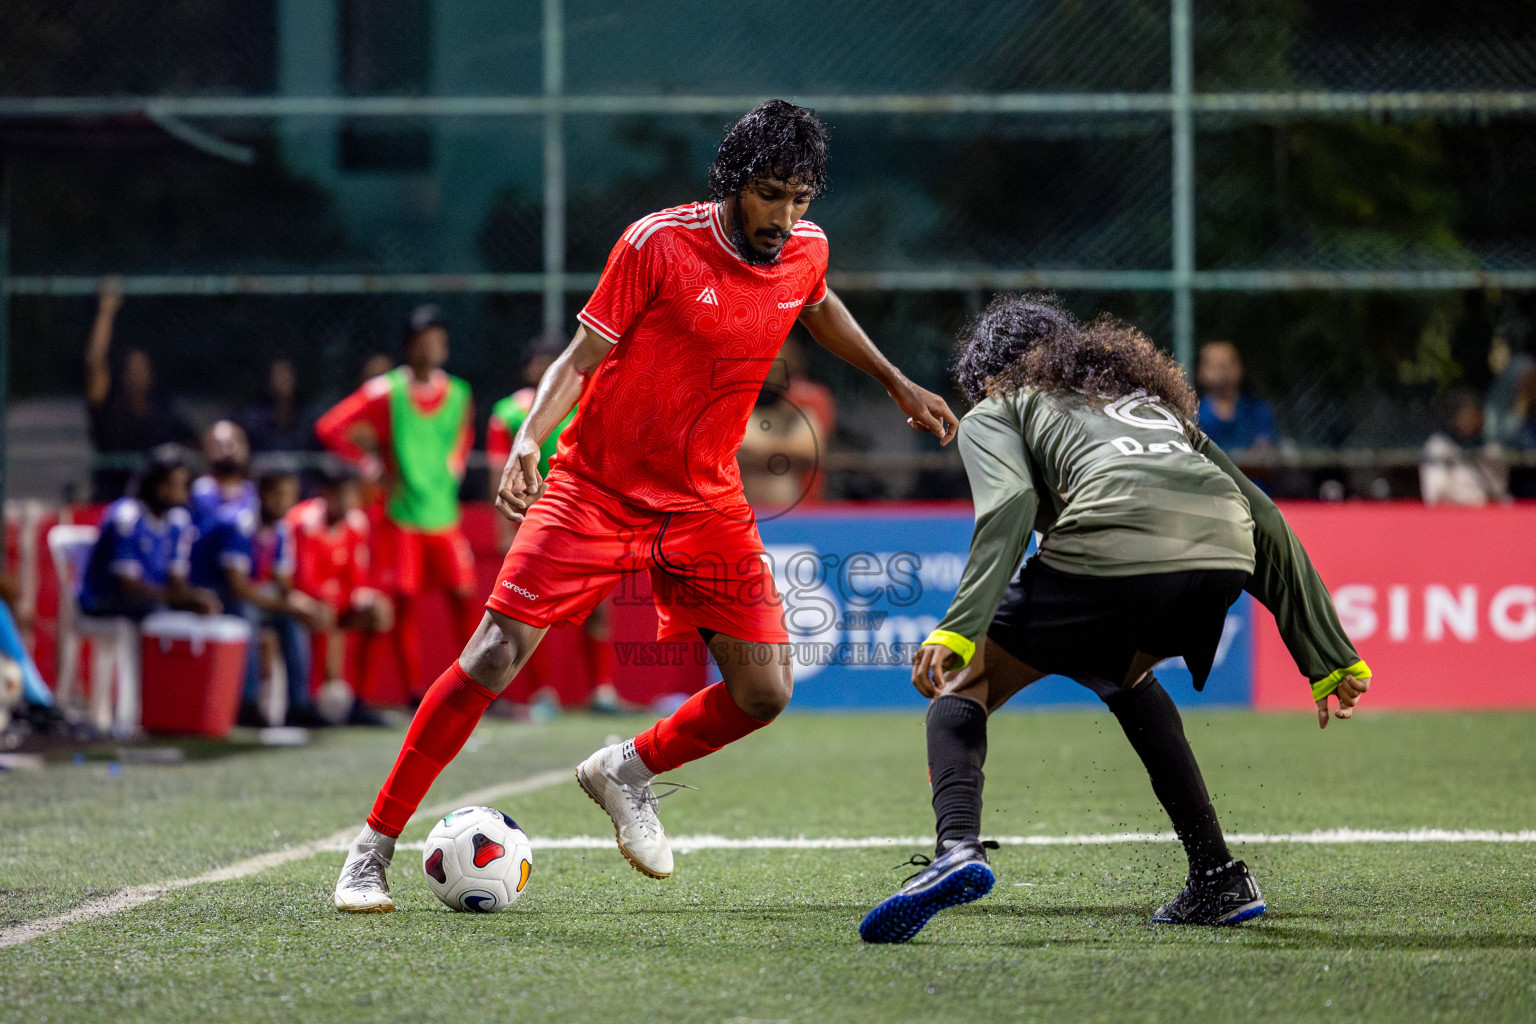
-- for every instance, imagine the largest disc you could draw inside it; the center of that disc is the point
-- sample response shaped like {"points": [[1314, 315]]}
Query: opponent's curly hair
{"points": [[993, 344], [1029, 341], [775, 139]]}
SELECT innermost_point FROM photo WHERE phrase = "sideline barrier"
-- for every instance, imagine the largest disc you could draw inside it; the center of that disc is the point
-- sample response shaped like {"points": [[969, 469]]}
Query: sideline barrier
{"points": [[863, 585], [1441, 603]]}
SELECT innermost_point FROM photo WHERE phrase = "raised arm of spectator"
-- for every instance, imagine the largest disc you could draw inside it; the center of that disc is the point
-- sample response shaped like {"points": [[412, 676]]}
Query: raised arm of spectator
{"points": [[358, 425], [98, 367]]}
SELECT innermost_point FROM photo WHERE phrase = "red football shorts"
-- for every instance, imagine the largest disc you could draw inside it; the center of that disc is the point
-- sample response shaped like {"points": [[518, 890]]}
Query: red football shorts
{"points": [[708, 569], [410, 562]]}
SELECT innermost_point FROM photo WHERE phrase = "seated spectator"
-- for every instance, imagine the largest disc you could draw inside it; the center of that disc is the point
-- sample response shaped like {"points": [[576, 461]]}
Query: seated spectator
{"points": [[779, 450], [227, 484], [279, 424], [141, 559], [814, 399], [1233, 419], [37, 708], [1457, 467], [246, 557], [127, 415], [330, 537], [1509, 414]]}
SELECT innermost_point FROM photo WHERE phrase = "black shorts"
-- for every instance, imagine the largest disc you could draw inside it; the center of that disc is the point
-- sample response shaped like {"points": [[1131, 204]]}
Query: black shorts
{"points": [[1090, 628]]}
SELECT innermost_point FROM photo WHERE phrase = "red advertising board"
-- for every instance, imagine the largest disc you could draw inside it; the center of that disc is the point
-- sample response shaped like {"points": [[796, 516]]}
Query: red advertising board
{"points": [[1441, 603]]}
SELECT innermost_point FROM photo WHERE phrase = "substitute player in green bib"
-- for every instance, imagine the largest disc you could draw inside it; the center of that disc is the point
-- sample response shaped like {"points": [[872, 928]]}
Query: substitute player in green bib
{"points": [[414, 425], [507, 418], [1086, 436], [547, 682]]}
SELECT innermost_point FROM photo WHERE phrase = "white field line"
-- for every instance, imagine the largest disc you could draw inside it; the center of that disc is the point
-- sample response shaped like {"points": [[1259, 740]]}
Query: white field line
{"points": [[138, 895], [686, 844]]}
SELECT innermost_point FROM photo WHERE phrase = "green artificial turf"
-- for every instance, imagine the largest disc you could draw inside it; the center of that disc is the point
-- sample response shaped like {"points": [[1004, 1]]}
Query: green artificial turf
{"points": [[1355, 931]]}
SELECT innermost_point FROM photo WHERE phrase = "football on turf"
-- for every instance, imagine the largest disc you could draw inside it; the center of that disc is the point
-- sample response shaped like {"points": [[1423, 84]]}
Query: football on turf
{"points": [[477, 859]]}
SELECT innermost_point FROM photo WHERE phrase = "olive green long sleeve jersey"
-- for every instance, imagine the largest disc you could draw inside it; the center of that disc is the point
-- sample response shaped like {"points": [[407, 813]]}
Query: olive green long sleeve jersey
{"points": [[1123, 488]]}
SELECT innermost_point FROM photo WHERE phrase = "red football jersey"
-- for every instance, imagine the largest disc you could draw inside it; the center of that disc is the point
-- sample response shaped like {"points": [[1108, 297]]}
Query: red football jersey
{"points": [[695, 330], [330, 562]]}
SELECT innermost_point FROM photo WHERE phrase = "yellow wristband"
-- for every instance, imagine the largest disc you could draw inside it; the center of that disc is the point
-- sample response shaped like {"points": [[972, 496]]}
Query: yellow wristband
{"points": [[955, 642], [1326, 685]]}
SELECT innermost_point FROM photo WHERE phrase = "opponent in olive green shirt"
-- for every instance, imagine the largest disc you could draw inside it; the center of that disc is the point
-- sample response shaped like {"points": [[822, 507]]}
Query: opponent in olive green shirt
{"points": [[1123, 488]]}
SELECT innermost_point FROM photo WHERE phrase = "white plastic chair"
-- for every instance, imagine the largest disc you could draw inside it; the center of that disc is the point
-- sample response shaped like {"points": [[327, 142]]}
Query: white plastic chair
{"points": [[114, 641]]}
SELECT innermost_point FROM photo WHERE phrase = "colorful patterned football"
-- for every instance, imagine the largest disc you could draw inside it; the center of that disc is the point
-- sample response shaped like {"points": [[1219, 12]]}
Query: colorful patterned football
{"points": [[477, 859]]}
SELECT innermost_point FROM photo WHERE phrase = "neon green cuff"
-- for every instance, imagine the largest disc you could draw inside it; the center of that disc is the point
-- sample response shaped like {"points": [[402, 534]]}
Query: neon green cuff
{"points": [[1326, 685], [955, 642]]}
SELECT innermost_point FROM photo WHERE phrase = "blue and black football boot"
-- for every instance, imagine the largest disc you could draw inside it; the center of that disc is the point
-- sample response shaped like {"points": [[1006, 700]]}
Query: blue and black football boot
{"points": [[1226, 895], [959, 875]]}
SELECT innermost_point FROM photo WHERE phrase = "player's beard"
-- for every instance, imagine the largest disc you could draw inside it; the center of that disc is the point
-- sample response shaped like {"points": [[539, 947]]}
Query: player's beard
{"points": [[744, 247]]}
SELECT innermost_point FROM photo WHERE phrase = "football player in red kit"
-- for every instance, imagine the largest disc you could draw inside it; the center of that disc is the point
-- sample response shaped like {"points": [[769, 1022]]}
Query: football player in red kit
{"points": [[416, 425], [671, 354]]}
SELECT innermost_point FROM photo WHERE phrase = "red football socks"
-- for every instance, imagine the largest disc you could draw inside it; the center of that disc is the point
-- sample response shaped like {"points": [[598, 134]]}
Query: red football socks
{"points": [[706, 722], [447, 715]]}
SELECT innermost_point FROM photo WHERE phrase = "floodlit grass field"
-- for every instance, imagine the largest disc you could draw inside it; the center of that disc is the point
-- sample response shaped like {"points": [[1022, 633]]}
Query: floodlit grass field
{"points": [[1388, 931]]}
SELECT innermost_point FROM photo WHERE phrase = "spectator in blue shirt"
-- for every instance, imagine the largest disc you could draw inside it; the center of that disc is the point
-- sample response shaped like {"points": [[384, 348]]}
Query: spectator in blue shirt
{"points": [[1231, 418], [246, 556], [227, 484], [140, 561]]}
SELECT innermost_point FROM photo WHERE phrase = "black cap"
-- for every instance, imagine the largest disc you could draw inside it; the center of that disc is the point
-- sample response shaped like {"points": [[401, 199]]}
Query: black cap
{"points": [[423, 317], [334, 472]]}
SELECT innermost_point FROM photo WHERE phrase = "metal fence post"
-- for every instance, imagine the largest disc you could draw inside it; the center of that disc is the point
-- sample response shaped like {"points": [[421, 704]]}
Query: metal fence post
{"points": [[554, 170], [1182, 55]]}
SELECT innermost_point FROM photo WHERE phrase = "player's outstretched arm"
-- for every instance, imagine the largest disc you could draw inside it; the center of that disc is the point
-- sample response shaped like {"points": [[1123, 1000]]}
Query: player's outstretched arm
{"points": [[835, 330], [1285, 581], [557, 394], [1003, 489]]}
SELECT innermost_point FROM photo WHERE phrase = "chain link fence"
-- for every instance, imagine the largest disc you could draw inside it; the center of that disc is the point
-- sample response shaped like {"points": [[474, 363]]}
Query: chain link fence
{"points": [[1342, 189]]}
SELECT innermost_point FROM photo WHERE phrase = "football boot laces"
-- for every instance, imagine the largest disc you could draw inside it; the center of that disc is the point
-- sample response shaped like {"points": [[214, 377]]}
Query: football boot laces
{"points": [[645, 798], [368, 870]]}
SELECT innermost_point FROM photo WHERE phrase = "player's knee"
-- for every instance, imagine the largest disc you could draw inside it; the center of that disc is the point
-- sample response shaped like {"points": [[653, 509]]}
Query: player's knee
{"points": [[770, 694], [493, 655]]}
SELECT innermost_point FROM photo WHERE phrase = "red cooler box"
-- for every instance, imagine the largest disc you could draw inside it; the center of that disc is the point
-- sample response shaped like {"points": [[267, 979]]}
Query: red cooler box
{"points": [[193, 671]]}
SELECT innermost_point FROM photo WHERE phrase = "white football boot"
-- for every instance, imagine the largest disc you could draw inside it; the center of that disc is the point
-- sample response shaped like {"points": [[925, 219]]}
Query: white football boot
{"points": [[362, 887], [621, 785]]}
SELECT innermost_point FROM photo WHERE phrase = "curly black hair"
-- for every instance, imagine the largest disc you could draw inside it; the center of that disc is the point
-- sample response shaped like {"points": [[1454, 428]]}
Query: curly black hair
{"points": [[159, 463], [1029, 341], [992, 344], [772, 140]]}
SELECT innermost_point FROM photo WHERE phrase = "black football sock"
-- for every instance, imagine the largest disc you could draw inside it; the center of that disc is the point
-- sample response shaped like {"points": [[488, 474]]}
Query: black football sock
{"points": [[957, 748], [1152, 724]]}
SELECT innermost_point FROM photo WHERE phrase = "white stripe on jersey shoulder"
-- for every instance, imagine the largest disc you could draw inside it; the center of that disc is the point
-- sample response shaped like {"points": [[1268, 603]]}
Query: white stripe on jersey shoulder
{"points": [[806, 227], [602, 330], [692, 216], [686, 210]]}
